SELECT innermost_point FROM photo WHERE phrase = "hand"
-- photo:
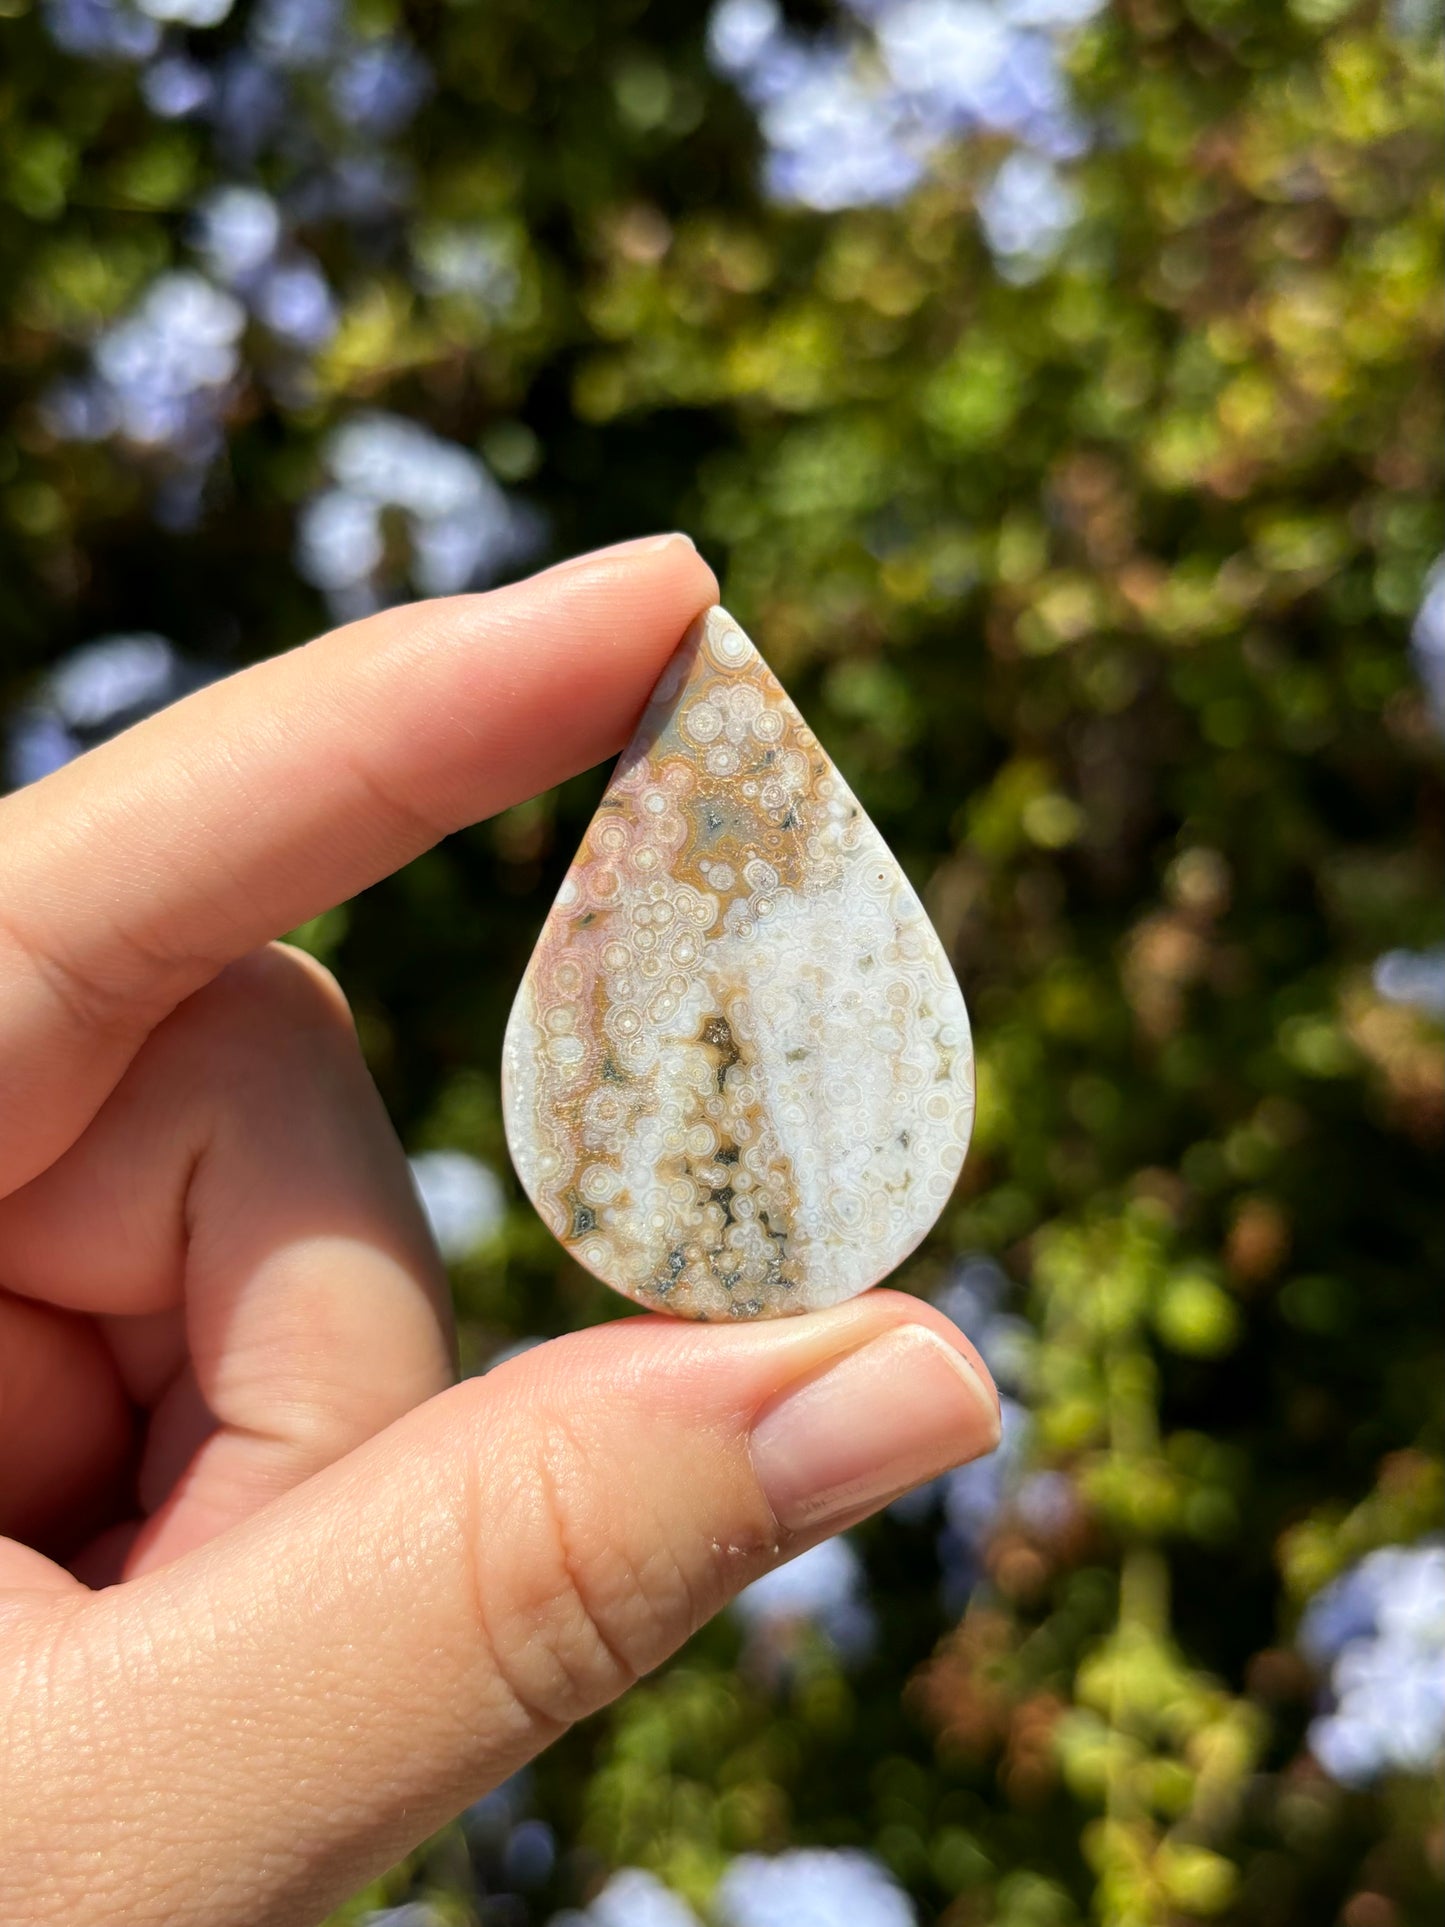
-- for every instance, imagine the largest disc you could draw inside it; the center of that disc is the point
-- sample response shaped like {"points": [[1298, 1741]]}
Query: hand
{"points": [[349, 1600]]}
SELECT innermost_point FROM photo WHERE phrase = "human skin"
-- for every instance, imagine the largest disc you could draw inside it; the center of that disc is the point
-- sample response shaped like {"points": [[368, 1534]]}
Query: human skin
{"points": [[278, 1598]]}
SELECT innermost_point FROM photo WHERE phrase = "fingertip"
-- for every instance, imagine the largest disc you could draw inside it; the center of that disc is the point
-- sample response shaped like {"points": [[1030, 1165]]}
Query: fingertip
{"points": [[891, 1413], [686, 1364], [843, 1409], [471, 703], [675, 544], [518, 1549], [901, 1308], [660, 578]]}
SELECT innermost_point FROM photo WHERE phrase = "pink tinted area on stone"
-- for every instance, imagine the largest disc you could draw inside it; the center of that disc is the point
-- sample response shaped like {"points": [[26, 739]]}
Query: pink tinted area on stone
{"points": [[737, 1078]]}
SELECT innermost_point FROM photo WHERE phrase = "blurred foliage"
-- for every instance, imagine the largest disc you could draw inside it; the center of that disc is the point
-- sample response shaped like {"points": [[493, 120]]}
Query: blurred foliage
{"points": [[1097, 582]]}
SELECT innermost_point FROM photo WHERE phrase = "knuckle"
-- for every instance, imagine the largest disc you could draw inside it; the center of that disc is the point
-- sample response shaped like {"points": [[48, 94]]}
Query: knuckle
{"points": [[588, 1594], [403, 815], [101, 1002], [272, 994]]}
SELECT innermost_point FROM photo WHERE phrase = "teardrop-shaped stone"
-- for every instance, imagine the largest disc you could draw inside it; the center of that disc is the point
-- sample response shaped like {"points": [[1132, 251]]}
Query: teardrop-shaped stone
{"points": [[737, 1077]]}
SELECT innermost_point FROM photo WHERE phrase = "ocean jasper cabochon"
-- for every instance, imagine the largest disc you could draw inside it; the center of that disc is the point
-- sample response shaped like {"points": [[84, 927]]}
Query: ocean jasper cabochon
{"points": [[737, 1077]]}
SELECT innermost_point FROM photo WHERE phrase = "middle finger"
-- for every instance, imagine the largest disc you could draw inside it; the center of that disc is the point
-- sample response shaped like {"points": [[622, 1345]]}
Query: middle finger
{"points": [[245, 1169]]}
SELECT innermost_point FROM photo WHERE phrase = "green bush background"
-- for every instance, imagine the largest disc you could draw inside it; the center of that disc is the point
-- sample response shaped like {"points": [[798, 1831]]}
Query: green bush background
{"points": [[1098, 588]]}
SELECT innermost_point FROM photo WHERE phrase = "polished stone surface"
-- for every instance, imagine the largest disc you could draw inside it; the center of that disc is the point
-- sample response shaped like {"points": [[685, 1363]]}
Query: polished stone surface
{"points": [[737, 1077]]}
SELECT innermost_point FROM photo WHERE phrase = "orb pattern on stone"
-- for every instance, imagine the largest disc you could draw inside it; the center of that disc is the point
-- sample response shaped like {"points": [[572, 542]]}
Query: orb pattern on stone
{"points": [[737, 1078]]}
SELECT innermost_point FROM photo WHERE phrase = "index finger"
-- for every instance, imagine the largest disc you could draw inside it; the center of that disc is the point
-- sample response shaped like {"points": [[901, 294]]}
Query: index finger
{"points": [[133, 875]]}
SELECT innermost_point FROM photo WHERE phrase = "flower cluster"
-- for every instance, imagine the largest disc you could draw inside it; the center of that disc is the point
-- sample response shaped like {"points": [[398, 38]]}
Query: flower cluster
{"points": [[302, 93], [1427, 640], [974, 1499], [92, 693], [631, 1898], [160, 379], [859, 120], [822, 1591], [1417, 977], [462, 1198], [1378, 1632], [811, 1887], [459, 525], [241, 236]]}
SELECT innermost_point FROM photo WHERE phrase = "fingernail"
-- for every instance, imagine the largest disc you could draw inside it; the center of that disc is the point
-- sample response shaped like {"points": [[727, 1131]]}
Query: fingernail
{"points": [[900, 1410], [637, 545]]}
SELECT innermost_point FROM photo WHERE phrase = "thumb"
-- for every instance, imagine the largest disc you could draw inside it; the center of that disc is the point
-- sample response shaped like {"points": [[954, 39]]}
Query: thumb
{"points": [[248, 1735]]}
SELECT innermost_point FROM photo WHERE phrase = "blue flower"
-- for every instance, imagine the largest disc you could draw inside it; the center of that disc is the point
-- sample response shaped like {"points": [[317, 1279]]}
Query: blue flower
{"points": [[836, 141], [248, 105], [824, 1588], [102, 29], [1427, 640], [846, 130], [462, 527], [811, 1887], [297, 33], [188, 13], [237, 232], [93, 692], [632, 1898], [295, 303], [339, 543], [380, 85], [463, 1200], [37, 744], [740, 34], [1026, 210], [1415, 977], [164, 369], [176, 87], [1379, 1631], [974, 1298]]}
